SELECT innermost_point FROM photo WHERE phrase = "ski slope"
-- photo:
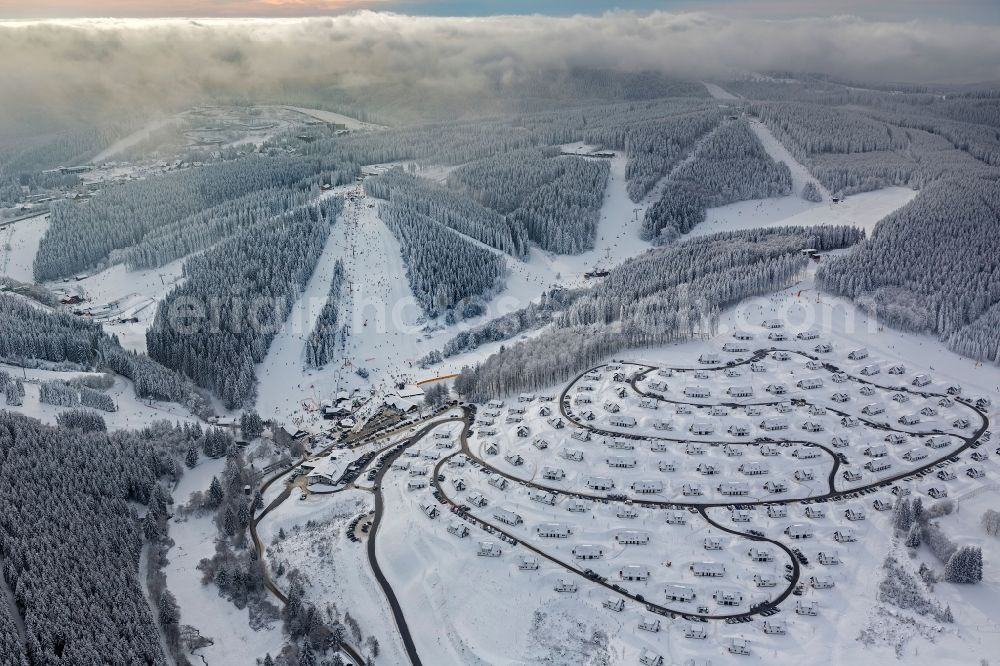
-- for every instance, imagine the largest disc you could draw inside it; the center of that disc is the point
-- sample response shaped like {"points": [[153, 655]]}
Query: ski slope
{"points": [[18, 247]]}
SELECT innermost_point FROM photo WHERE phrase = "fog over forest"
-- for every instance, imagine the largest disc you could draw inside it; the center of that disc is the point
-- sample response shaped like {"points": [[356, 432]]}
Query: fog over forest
{"points": [[64, 70]]}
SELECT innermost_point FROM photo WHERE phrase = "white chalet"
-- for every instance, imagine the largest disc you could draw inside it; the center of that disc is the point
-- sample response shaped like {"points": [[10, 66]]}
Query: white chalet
{"points": [[879, 465], [588, 551], [679, 593], [810, 383], [740, 391], [498, 482], [600, 482], [708, 569], [542, 497], [702, 428], [649, 658], [739, 646], [581, 435], [734, 488], [776, 487], [845, 535], [858, 354], [647, 486], [622, 421], [507, 517], [728, 597], [696, 392], [571, 454], [576, 505], [633, 537], [815, 511], [691, 490], [765, 580], [821, 582], [676, 517], [828, 559], [806, 607], [625, 462], [489, 549], [553, 530], [774, 423], [650, 624], [527, 563], [616, 604], [696, 630], [775, 626], [458, 528], [553, 473], [777, 511], [565, 585], [799, 531], [633, 572]]}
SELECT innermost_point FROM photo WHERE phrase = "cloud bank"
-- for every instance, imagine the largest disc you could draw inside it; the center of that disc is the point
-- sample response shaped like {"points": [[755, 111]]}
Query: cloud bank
{"points": [[98, 66]]}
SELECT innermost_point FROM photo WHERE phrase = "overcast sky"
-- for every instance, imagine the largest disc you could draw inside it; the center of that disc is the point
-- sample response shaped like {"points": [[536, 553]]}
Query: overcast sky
{"points": [[969, 11], [55, 66]]}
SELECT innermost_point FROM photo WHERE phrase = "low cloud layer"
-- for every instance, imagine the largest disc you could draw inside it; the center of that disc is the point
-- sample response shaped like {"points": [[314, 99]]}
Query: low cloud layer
{"points": [[89, 65]]}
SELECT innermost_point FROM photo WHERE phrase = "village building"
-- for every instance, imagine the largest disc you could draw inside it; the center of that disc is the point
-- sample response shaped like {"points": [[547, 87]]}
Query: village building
{"points": [[632, 537], [507, 517], [489, 549], [708, 569], [588, 551], [622, 421], [553, 473], [553, 530], [634, 572]]}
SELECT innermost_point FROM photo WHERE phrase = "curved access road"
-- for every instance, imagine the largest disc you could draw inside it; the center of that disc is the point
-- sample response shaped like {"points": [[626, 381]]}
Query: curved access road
{"points": [[390, 595]]}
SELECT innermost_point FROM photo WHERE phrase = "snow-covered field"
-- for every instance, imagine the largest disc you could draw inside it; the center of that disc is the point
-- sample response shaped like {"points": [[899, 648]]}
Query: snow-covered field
{"points": [[18, 247], [233, 640], [131, 413]]}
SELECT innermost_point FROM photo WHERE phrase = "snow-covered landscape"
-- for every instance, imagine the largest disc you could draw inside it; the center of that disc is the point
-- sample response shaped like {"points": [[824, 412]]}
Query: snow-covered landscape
{"points": [[378, 339]]}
